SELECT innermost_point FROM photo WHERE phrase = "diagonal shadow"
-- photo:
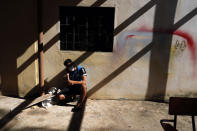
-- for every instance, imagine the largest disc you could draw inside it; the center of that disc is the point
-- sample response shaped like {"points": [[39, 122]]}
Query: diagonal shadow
{"points": [[47, 23], [7, 118], [20, 28], [50, 11], [185, 19], [87, 54], [136, 15], [112, 75], [35, 56], [83, 57], [59, 77], [131, 19], [74, 2], [116, 31], [76, 120], [146, 49], [119, 70], [98, 3]]}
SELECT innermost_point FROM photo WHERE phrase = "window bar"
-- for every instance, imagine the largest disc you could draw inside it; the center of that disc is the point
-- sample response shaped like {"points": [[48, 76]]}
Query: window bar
{"points": [[73, 32], [66, 41], [86, 31]]}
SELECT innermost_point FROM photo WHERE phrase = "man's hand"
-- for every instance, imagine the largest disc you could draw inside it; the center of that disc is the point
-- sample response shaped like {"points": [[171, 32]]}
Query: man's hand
{"points": [[71, 82], [43, 93]]}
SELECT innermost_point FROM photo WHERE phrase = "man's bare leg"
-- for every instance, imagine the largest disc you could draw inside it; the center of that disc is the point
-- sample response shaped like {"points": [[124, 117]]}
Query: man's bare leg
{"points": [[82, 95]]}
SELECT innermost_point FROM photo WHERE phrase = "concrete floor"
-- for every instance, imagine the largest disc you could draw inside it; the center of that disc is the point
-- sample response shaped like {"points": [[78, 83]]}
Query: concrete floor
{"points": [[98, 115]]}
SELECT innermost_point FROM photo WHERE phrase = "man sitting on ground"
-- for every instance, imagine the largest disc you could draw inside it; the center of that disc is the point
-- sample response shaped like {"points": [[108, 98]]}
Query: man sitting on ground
{"points": [[76, 80]]}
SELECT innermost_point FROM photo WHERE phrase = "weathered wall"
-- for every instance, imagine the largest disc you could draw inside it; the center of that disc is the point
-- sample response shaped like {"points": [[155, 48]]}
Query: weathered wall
{"points": [[18, 31], [143, 64]]}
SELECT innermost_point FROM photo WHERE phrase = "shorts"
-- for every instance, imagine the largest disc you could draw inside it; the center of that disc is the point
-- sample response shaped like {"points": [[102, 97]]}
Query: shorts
{"points": [[71, 90]]}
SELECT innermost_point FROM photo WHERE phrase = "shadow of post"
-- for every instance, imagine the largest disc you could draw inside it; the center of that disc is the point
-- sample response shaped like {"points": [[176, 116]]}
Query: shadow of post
{"points": [[160, 53], [76, 120]]}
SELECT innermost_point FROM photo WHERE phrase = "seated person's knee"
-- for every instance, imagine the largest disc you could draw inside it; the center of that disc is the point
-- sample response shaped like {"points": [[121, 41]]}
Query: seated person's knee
{"points": [[61, 97]]}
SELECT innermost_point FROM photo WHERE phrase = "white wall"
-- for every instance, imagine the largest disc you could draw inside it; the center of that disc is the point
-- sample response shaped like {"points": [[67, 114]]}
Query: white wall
{"points": [[131, 80]]}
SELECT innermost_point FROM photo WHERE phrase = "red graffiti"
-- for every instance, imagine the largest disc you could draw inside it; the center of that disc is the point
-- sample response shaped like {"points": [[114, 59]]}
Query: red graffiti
{"points": [[190, 42], [129, 36], [144, 29]]}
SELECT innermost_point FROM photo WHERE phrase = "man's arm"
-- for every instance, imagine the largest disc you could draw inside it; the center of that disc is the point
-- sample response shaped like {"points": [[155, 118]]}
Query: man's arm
{"points": [[83, 74], [78, 82], [67, 76]]}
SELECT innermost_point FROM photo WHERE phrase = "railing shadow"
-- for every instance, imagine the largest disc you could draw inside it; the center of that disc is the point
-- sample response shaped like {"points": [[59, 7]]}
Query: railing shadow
{"points": [[7, 118], [98, 3], [119, 70], [134, 17]]}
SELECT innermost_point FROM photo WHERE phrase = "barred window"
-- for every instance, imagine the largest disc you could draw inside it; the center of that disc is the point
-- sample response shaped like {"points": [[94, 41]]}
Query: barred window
{"points": [[86, 28]]}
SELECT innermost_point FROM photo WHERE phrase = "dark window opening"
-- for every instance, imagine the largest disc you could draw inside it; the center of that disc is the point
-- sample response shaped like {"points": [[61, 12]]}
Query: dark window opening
{"points": [[86, 28]]}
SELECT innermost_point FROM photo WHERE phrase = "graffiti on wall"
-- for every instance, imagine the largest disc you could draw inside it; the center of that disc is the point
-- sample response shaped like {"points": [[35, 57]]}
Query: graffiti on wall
{"points": [[145, 35], [190, 42], [180, 45]]}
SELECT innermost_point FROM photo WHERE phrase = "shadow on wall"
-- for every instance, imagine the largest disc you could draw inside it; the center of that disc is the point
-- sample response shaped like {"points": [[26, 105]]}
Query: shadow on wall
{"points": [[11, 53], [21, 17], [160, 53], [18, 32], [51, 7], [159, 47], [51, 11]]}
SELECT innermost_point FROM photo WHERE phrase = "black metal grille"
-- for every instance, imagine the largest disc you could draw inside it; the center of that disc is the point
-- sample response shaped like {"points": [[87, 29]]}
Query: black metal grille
{"points": [[86, 28]]}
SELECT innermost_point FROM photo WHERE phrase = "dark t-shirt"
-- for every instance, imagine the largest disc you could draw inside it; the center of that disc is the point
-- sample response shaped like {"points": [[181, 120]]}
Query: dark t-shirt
{"points": [[78, 74]]}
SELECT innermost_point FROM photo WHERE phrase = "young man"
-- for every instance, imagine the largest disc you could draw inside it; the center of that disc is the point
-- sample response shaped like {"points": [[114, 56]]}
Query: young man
{"points": [[76, 79], [67, 62]]}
